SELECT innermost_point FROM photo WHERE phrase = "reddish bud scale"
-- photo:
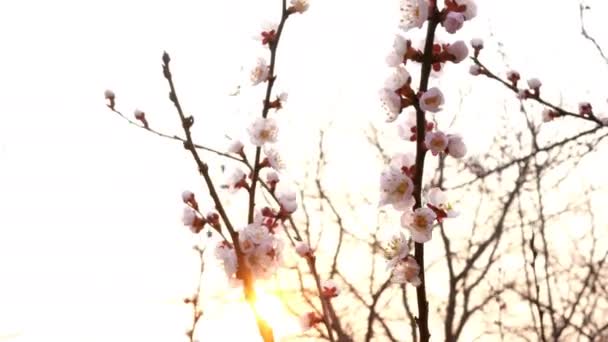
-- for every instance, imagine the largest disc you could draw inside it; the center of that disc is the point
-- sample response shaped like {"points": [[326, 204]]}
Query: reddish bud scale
{"points": [[198, 224], [268, 37], [441, 214]]}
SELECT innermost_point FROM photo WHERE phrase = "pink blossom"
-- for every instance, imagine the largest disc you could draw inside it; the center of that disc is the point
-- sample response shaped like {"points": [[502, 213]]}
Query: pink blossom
{"points": [[431, 100], [414, 13], [453, 22], [534, 83], [299, 6], [260, 71], [436, 142], [329, 289], [456, 147], [309, 320], [406, 272], [263, 131], [470, 11], [391, 103], [420, 223], [475, 70], [396, 188], [458, 50], [303, 249]]}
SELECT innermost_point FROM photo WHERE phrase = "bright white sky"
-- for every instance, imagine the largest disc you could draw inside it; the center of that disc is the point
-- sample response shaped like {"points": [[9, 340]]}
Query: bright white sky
{"points": [[90, 232]]}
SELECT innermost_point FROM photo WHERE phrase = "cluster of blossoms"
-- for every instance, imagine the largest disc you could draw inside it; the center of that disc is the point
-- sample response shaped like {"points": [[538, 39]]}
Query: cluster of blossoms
{"points": [[397, 181], [260, 244]]}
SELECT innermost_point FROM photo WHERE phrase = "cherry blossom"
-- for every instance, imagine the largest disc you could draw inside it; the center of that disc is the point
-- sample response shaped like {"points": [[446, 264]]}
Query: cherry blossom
{"points": [[236, 180], [226, 254], [397, 79], [395, 58], [396, 188], [235, 146], [413, 13], [456, 147], [191, 219], [299, 6], [309, 320], [436, 142], [303, 249], [263, 131], [406, 271], [470, 11], [288, 201], [420, 223], [477, 43], [475, 70], [437, 200], [273, 158], [268, 34], [260, 71], [458, 50], [188, 198], [396, 249], [431, 100], [391, 103], [534, 83], [453, 22], [329, 289]]}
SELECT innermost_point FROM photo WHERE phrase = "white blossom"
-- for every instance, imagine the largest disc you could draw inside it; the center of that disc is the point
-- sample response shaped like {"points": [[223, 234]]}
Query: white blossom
{"points": [[406, 128], [534, 83], [395, 58], [401, 160], [235, 146], [438, 198], [396, 188], [189, 217], [456, 146], [259, 73], [396, 249], [391, 103], [431, 100], [436, 142], [420, 223], [274, 158], [477, 43], [187, 196], [303, 249], [459, 50], [471, 8], [453, 22], [234, 180], [406, 272], [272, 177], [288, 201], [413, 13], [397, 79], [300, 6], [263, 131], [226, 254], [475, 70]]}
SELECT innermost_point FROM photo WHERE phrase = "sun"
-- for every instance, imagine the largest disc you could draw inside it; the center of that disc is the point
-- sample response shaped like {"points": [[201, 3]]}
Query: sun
{"points": [[233, 318]]}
